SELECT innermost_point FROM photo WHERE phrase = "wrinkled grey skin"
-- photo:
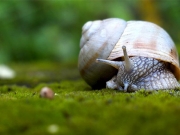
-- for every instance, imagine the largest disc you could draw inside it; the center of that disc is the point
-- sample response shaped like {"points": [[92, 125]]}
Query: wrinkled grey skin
{"points": [[146, 73]]}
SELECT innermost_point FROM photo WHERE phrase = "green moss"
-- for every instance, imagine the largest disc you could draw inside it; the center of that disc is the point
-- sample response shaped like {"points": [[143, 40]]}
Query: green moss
{"points": [[77, 109]]}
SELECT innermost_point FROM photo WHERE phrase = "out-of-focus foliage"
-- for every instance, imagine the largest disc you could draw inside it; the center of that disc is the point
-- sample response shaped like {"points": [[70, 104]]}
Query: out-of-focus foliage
{"points": [[51, 29]]}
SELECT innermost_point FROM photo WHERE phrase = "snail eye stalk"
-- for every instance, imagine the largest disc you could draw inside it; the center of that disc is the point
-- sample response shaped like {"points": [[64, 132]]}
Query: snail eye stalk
{"points": [[127, 61]]}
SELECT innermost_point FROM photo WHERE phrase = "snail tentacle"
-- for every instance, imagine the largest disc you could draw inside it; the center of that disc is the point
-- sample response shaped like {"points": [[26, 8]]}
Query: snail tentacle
{"points": [[126, 85], [115, 64], [127, 61]]}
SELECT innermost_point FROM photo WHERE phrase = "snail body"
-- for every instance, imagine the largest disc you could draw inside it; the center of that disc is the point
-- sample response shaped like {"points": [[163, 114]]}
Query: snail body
{"points": [[141, 73], [151, 61]]}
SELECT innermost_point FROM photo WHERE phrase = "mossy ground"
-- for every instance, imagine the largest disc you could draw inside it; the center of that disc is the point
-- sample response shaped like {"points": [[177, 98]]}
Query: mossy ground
{"points": [[79, 110]]}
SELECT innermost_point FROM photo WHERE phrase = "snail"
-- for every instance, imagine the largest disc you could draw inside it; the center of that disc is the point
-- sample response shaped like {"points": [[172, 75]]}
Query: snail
{"points": [[128, 56]]}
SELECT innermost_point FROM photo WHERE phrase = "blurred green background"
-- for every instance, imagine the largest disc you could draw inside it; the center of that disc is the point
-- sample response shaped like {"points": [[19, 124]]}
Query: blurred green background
{"points": [[50, 30]]}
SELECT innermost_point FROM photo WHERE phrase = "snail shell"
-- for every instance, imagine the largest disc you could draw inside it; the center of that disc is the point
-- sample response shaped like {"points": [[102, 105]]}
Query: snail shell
{"points": [[104, 39]]}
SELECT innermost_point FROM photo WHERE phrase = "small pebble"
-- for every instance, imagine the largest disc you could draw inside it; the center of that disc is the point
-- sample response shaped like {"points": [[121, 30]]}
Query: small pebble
{"points": [[6, 72], [53, 128], [46, 92]]}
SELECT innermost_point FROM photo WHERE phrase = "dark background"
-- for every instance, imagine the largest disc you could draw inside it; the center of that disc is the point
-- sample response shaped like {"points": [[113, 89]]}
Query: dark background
{"points": [[50, 30]]}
